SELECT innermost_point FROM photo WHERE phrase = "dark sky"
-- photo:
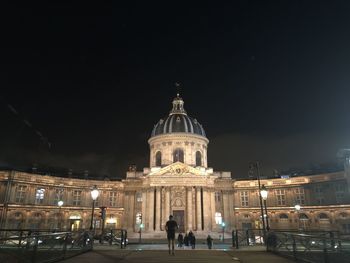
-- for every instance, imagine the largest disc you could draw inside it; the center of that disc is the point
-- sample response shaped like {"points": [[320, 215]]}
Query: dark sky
{"points": [[269, 81]]}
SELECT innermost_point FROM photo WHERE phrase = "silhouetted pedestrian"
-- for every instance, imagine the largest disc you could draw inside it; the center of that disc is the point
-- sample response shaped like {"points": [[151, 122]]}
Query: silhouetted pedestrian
{"points": [[170, 228]]}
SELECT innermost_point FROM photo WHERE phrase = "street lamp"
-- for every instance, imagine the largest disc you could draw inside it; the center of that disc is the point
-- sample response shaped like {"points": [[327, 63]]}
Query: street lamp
{"points": [[297, 208], [257, 166], [60, 204], [223, 231], [94, 194], [264, 193], [141, 227]]}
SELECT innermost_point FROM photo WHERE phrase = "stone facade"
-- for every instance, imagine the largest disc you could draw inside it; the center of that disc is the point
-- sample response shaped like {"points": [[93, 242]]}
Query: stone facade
{"points": [[178, 182]]}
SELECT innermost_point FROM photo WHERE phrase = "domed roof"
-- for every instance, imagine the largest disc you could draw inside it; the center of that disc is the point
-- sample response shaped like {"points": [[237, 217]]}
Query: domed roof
{"points": [[178, 121]]}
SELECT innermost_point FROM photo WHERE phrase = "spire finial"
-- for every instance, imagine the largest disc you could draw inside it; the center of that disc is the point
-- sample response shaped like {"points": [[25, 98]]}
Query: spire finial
{"points": [[178, 87]]}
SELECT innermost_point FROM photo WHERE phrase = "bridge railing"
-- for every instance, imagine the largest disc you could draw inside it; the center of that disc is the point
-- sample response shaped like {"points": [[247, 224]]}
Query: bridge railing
{"points": [[309, 247], [39, 246]]}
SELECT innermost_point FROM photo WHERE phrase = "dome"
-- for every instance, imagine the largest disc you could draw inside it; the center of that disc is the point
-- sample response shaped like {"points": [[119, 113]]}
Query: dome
{"points": [[178, 121]]}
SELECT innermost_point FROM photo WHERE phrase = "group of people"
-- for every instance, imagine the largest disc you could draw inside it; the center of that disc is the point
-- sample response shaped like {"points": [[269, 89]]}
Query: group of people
{"points": [[188, 241]]}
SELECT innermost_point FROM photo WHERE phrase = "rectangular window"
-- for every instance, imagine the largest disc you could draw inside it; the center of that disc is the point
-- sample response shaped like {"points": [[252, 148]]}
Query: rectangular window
{"points": [[39, 195], [300, 196], [21, 191], [138, 197], [58, 196], [339, 193], [77, 197], [217, 197], [112, 199], [244, 198], [281, 197], [319, 195]]}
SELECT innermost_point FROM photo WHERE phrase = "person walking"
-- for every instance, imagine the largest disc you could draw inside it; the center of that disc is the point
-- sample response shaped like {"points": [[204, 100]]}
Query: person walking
{"points": [[209, 242], [170, 228], [193, 241]]}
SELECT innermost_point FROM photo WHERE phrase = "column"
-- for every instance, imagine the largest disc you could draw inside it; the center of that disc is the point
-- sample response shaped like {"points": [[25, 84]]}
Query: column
{"points": [[213, 209], [189, 208], [167, 203], [158, 211], [226, 208], [150, 200], [198, 209], [231, 210], [131, 209], [207, 210], [143, 211]]}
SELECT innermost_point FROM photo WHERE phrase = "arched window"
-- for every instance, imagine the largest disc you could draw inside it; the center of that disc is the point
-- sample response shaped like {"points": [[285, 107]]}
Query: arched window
{"points": [[283, 216], [303, 217], [158, 159], [323, 216], [178, 155], [198, 158]]}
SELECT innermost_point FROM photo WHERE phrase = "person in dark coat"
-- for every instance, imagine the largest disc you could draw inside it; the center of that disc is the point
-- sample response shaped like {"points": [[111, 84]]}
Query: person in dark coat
{"points": [[209, 242], [180, 240], [170, 228], [193, 241], [186, 241]]}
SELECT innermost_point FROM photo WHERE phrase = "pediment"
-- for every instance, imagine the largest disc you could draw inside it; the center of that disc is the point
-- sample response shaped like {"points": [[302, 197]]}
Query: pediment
{"points": [[179, 169]]}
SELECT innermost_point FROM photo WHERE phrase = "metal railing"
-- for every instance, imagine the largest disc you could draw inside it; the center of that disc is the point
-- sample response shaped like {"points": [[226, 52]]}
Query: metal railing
{"points": [[117, 237], [250, 237], [306, 247], [29, 246]]}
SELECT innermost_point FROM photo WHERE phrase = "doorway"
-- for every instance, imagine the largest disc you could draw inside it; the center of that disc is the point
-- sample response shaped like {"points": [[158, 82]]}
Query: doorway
{"points": [[179, 217]]}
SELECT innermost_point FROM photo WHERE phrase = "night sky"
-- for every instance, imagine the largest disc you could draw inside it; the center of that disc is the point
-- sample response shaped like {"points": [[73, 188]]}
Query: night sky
{"points": [[82, 86]]}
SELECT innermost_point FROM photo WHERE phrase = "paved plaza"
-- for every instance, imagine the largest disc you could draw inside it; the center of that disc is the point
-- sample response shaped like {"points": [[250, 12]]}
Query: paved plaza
{"points": [[158, 253]]}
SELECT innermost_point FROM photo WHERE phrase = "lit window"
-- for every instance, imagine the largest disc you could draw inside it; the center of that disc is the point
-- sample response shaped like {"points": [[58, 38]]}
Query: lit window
{"points": [[218, 218], [138, 218], [138, 197], [244, 198], [39, 195], [58, 196]]}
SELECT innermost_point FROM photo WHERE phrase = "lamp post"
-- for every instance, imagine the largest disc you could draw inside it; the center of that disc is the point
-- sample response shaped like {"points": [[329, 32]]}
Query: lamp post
{"points": [[256, 165], [297, 208], [264, 193], [60, 204], [94, 194], [223, 231], [141, 226]]}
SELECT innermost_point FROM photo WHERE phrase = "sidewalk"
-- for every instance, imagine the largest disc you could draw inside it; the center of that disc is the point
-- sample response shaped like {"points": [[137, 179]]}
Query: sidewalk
{"points": [[183, 256]]}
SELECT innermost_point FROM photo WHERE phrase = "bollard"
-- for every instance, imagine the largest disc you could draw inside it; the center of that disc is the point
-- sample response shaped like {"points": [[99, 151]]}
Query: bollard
{"points": [[294, 248], [247, 236], [35, 248], [233, 238], [237, 239], [111, 238]]}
